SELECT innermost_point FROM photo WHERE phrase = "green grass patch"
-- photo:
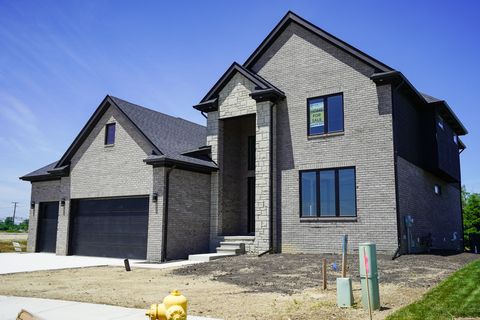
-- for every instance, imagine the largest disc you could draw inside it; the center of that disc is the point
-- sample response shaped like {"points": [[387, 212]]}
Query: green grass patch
{"points": [[457, 296], [7, 246]]}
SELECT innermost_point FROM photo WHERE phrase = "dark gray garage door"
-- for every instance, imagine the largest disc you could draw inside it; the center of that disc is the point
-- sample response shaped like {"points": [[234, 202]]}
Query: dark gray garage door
{"points": [[47, 226], [109, 227]]}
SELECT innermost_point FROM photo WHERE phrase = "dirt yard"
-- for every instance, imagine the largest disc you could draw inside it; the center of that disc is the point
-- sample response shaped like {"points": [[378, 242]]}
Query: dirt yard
{"points": [[280, 286]]}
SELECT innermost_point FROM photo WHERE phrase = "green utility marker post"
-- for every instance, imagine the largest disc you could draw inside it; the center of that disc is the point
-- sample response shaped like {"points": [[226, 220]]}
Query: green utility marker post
{"points": [[368, 256], [344, 284]]}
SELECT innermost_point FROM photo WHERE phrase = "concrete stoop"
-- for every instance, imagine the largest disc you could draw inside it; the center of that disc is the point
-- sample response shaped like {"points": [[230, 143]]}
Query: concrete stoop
{"points": [[230, 246]]}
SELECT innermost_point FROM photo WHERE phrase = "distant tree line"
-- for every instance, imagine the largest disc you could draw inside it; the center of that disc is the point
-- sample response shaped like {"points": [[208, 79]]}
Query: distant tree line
{"points": [[8, 225], [471, 215]]}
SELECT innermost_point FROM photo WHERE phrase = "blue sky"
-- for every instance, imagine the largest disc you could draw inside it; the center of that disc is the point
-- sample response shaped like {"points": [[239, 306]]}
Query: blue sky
{"points": [[58, 59]]}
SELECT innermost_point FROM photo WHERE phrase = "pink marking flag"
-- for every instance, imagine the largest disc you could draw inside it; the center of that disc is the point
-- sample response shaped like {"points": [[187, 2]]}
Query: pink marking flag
{"points": [[365, 261]]}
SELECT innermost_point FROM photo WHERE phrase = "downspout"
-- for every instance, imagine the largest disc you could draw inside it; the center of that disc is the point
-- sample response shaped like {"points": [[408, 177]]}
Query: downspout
{"points": [[165, 213], [461, 205], [395, 162]]}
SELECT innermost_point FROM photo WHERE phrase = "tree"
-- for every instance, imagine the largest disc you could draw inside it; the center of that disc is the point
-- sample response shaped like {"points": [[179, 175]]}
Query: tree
{"points": [[23, 225], [471, 214]]}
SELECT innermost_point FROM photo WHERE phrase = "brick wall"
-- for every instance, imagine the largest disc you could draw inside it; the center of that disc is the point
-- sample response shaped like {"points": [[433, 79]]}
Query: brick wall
{"points": [[438, 215], [304, 66], [155, 216], [42, 191], [97, 170], [63, 217], [188, 214]]}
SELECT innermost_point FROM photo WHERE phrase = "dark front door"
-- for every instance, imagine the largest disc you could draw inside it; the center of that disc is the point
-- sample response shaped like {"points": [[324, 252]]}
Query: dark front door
{"points": [[114, 227], [251, 204], [47, 227]]}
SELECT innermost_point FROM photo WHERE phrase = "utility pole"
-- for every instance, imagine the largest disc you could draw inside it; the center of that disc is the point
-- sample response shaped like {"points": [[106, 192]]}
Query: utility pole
{"points": [[14, 210]]}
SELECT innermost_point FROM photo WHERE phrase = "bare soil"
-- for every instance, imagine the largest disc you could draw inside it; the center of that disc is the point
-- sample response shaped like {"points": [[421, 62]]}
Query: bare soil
{"points": [[281, 286]]}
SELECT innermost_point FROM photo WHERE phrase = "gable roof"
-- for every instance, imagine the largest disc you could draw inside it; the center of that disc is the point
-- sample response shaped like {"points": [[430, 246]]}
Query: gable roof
{"points": [[382, 74], [169, 137], [291, 17], [209, 102]]}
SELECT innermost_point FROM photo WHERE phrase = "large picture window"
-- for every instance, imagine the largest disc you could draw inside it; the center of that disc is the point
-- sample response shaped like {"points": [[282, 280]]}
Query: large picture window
{"points": [[328, 193], [325, 114]]}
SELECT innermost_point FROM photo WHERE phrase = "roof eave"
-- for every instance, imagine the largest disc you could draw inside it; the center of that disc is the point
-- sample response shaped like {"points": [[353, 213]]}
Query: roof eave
{"points": [[267, 95], [42, 177], [207, 106], [168, 162], [396, 77]]}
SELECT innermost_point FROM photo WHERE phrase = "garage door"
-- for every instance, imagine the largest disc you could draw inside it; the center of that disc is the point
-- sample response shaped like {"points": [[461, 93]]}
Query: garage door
{"points": [[47, 226], [110, 227]]}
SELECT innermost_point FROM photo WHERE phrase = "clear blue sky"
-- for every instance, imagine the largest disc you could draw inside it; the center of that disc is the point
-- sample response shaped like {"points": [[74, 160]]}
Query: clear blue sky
{"points": [[58, 59]]}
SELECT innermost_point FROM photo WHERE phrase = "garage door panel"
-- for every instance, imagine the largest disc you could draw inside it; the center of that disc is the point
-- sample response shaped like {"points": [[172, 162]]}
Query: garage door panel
{"points": [[47, 226], [110, 227]]}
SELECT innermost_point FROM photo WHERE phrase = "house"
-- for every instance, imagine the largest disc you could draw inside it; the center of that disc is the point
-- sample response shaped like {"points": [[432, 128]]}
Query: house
{"points": [[306, 141]]}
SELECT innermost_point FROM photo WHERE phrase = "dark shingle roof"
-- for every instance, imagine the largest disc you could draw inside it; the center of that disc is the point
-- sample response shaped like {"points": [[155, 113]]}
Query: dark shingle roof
{"points": [[171, 135], [41, 172], [429, 98]]}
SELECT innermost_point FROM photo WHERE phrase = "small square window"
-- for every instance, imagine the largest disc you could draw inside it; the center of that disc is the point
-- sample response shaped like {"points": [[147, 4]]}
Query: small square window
{"points": [[438, 190], [110, 134]]}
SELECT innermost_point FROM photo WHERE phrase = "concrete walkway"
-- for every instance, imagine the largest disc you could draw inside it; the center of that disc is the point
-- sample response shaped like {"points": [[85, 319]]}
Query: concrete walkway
{"points": [[28, 262], [47, 309]]}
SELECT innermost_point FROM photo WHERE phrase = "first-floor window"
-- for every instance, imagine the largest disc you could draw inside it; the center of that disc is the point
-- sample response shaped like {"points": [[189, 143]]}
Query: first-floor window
{"points": [[328, 193]]}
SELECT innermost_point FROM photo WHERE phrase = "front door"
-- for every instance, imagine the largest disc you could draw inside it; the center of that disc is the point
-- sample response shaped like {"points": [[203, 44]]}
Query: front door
{"points": [[251, 204]]}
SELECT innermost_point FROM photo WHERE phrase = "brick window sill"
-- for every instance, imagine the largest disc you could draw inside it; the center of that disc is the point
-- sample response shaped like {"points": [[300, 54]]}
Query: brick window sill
{"points": [[326, 135], [109, 145], [329, 219]]}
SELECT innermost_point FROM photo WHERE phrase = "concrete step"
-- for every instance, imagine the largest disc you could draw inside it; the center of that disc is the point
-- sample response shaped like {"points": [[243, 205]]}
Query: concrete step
{"points": [[239, 238], [239, 245], [205, 257], [232, 250]]}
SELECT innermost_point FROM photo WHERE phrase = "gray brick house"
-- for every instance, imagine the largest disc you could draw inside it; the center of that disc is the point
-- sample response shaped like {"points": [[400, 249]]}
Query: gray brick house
{"points": [[309, 139]]}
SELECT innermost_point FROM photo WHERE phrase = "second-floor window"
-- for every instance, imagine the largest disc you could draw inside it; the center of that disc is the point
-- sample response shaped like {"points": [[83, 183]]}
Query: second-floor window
{"points": [[110, 134], [325, 114]]}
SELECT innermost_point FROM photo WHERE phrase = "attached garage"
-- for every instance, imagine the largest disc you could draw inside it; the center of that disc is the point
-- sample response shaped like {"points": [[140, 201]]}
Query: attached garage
{"points": [[47, 226], [115, 227]]}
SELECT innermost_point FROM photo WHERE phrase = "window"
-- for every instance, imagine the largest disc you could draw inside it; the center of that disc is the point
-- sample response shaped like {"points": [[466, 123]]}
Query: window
{"points": [[251, 153], [328, 193], [325, 114], [437, 189], [440, 122], [110, 134], [455, 139]]}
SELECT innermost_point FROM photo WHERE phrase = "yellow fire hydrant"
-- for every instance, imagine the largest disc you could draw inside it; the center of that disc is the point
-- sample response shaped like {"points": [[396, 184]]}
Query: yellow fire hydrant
{"points": [[174, 307]]}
